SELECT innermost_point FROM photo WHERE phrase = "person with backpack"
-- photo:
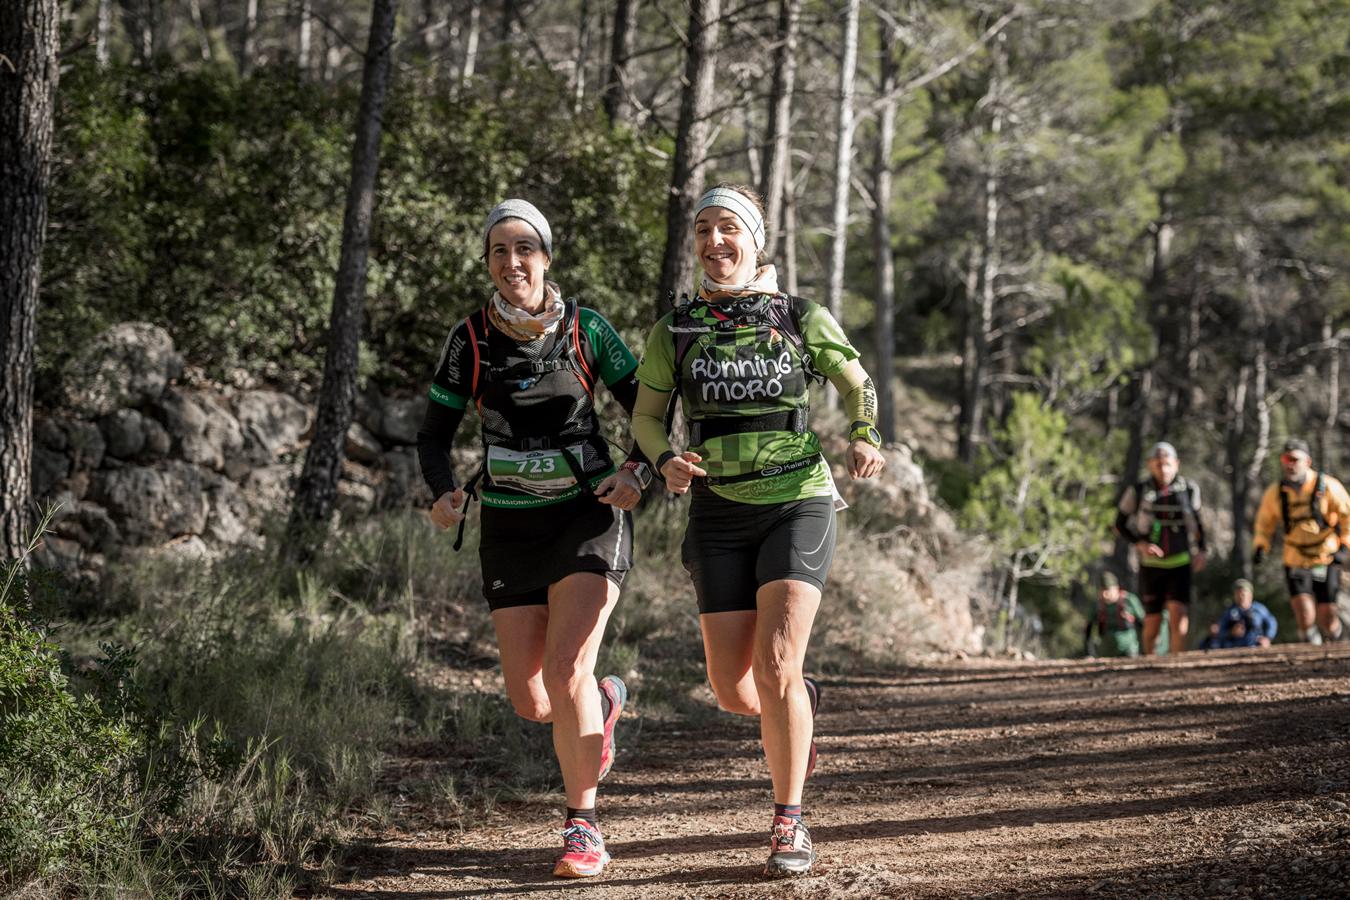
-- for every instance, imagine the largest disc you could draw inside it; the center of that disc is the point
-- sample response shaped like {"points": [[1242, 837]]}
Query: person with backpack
{"points": [[1246, 623], [740, 356], [1160, 516], [1119, 616], [1314, 511], [557, 535]]}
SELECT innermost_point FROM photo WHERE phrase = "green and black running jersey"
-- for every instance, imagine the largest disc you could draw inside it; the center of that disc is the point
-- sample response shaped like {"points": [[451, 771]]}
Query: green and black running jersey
{"points": [[535, 403], [750, 371]]}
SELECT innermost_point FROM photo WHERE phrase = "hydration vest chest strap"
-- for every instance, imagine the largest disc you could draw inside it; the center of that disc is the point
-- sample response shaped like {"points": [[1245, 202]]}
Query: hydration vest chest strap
{"points": [[703, 430]]}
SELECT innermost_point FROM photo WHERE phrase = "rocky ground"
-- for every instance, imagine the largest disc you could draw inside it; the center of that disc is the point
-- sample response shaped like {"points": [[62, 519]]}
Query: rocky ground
{"points": [[1212, 775]]}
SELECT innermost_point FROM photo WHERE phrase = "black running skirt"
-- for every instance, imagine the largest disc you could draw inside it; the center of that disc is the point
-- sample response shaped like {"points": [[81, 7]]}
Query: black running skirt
{"points": [[523, 551]]}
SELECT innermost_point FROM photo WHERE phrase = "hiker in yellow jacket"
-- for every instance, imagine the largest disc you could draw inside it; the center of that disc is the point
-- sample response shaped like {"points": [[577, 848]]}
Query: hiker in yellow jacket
{"points": [[1314, 510]]}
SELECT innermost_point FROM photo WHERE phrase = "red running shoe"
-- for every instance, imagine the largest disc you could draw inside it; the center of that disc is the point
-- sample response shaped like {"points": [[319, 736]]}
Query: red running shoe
{"points": [[611, 686], [584, 853], [814, 690]]}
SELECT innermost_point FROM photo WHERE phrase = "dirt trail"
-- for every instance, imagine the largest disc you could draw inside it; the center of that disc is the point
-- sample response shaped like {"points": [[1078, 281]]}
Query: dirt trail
{"points": [[1223, 774]]}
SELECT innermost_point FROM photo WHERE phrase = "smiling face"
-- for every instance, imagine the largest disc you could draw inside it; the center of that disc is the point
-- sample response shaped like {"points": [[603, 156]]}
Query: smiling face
{"points": [[1243, 597], [725, 247], [517, 263]]}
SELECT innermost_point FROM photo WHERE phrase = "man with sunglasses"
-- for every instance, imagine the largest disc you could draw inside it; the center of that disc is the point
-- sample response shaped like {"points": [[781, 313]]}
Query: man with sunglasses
{"points": [[1314, 511]]}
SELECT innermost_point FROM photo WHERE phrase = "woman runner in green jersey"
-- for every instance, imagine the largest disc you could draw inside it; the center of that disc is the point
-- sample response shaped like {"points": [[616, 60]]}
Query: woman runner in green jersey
{"points": [[761, 525]]}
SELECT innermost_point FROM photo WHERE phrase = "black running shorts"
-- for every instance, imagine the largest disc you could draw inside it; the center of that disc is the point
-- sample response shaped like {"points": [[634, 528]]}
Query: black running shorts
{"points": [[1322, 583], [523, 551], [731, 549], [1157, 586]]}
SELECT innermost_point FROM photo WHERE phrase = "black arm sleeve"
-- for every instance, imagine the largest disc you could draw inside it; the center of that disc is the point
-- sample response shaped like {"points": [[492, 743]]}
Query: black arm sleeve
{"points": [[434, 440]]}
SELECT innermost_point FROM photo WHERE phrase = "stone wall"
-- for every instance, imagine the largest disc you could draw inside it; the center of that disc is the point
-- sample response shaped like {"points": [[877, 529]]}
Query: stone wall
{"points": [[138, 457]]}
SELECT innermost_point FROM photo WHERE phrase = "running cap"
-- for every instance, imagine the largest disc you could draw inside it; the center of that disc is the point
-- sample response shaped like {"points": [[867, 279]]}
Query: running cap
{"points": [[739, 204], [1242, 584], [1162, 448], [1109, 580], [1297, 445], [519, 209]]}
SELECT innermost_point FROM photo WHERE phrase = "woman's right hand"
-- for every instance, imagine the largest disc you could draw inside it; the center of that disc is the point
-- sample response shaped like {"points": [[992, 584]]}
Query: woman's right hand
{"points": [[679, 471], [446, 510]]}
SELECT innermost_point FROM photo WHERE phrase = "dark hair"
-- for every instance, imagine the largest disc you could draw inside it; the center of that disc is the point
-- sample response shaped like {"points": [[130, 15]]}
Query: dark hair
{"points": [[754, 197]]}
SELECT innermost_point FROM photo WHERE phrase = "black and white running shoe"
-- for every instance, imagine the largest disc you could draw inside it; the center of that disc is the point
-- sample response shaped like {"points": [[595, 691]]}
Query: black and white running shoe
{"points": [[790, 850]]}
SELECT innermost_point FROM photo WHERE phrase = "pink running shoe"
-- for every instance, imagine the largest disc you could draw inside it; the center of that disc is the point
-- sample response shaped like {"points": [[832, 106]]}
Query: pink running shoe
{"points": [[584, 853], [617, 692]]}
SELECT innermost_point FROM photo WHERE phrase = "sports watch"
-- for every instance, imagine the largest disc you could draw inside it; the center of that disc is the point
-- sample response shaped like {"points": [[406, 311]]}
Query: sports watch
{"points": [[641, 471], [865, 431]]}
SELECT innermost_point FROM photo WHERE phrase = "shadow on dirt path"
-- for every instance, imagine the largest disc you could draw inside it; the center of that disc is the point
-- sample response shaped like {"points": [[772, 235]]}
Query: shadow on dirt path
{"points": [[1223, 775]]}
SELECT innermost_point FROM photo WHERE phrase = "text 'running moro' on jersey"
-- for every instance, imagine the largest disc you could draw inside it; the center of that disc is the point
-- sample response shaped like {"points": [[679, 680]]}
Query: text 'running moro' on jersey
{"points": [[748, 377]]}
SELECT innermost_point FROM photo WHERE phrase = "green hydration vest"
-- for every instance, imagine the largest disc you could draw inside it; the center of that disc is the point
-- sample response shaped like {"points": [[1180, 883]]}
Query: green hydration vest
{"points": [[743, 371]]}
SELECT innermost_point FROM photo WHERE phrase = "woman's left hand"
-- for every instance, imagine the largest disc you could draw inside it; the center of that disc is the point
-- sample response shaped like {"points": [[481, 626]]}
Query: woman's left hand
{"points": [[621, 489], [864, 460]]}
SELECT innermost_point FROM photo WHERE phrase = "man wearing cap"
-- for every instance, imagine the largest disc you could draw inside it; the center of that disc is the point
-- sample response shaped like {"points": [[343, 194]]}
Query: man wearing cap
{"points": [[1161, 517], [1246, 623], [1119, 615], [1314, 511]]}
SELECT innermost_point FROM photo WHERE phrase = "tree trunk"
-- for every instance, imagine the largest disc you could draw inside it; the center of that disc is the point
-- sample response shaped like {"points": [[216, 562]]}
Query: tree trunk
{"points": [[1328, 450], [981, 280], [778, 148], [199, 26], [969, 417], [691, 150], [103, 33], [843, 159], [1262, 405], [1140, 415], [1238, 485], [316, 493], [884, 319], [583, 52], [471, 42], [618, 103], [304, 34], [29, 34], [249, 50], [790, 236]]}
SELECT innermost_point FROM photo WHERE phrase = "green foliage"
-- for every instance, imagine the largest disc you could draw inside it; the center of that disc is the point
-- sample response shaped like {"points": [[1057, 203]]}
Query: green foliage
{"points": [[213, 206], [1092, 337], [1039, 498]]}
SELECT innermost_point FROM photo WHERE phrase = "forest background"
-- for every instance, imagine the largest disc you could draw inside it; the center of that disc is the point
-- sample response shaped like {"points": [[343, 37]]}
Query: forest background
{"points": [[1070, 228]]}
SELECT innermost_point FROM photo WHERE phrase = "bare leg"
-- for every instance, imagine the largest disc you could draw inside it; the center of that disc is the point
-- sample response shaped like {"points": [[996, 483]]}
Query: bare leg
{"points": [[521, 631], [1178, 623], [1152, 625], [786, 611], [1305, 615], [579, 606], [1329, 621], [728, 648]]}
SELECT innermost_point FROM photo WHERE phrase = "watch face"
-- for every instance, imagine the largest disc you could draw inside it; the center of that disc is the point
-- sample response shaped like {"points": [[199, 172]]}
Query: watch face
{"points": [[874, 437]]}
